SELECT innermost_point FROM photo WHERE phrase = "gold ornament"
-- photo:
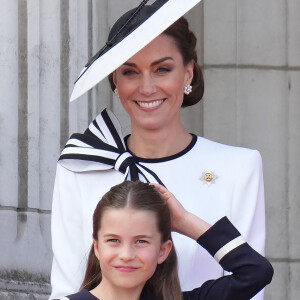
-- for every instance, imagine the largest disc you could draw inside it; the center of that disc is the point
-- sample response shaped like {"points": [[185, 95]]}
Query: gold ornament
{"points": [[208, 177]]}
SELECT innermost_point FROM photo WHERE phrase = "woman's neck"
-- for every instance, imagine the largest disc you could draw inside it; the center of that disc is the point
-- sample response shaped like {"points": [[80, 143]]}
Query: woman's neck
{"points": [[106, 292], [158, 143]]}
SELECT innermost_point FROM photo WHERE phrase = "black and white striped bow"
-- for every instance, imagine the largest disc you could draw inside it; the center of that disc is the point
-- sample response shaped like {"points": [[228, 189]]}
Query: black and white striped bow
{"points": [[102, 147]]}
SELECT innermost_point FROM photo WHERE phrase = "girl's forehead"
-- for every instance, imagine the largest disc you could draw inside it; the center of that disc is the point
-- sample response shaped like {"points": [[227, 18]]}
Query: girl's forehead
{"points": [[125, 212], [122, 219]]}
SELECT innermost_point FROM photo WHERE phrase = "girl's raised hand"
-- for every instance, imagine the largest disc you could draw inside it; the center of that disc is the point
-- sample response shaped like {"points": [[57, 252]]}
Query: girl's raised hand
{"points": [[182, 220], [178, 213]]}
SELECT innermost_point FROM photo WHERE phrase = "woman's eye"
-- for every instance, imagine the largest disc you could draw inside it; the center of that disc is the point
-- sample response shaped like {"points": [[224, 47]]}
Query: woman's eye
{"points": [[129, 72], [163, 70], [142, 242]]}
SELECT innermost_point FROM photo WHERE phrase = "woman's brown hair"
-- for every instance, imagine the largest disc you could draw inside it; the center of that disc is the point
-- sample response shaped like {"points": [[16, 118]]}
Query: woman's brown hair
{"points": [[164, 284], [185, 41]]}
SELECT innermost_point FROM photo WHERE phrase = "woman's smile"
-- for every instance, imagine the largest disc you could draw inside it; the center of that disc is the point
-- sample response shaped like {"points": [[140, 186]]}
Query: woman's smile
{"points": [[150, 104], [151, 83]]}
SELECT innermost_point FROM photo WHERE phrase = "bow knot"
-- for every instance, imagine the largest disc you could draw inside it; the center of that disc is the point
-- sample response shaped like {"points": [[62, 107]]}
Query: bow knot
{"points": [[124, 161], [102, 147]]}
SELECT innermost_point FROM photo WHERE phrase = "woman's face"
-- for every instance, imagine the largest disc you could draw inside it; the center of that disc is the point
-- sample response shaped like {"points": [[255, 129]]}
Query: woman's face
{"points": [[129, 247], [151, 83]]}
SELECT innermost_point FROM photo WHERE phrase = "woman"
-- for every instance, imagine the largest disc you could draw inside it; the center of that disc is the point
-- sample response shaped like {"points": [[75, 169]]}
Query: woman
{"points": [[210, 179], [134, 258]]}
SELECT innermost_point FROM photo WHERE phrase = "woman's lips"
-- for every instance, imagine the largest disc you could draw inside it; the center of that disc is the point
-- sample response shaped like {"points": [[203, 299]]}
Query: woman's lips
{"points": [[150, 104]]}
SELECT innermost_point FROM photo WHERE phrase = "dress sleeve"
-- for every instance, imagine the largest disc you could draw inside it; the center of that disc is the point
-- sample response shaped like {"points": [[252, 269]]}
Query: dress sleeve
{"points": [[251, 272], [67, 235], [248, 204]]}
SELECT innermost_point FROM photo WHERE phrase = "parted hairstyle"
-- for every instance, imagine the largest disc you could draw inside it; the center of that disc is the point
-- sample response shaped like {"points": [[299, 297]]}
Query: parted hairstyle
{"points": [[164, 284], [185, 41]]}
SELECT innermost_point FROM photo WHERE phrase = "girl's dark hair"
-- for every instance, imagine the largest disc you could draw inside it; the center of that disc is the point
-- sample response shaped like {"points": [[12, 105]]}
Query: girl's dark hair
{"points": [[164, 283], [185, 41]]}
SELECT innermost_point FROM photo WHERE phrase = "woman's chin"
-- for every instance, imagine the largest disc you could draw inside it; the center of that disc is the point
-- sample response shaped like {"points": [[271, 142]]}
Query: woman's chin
{"points": [[147, 125]]}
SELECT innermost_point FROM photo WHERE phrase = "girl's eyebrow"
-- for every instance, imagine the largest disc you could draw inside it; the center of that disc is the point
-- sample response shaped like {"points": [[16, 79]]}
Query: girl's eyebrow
{"points": [[140, 236], [152, 64], [143, 236], [110, 235]]}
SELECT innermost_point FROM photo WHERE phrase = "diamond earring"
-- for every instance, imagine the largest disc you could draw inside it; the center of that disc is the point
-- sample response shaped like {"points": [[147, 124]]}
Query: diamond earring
{"points": [[187, 89], [116, 92]]}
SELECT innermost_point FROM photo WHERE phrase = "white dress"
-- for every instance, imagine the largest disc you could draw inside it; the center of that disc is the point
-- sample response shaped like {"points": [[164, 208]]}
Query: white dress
{"points": [[210, 179]]}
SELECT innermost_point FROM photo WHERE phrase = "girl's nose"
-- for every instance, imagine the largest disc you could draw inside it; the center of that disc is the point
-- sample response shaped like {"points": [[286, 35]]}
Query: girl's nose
{"points": [[147, 85], [126, 253]]}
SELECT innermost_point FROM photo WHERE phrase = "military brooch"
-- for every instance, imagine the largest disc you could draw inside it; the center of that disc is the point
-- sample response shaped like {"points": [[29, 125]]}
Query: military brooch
{"points": [[208, 177]]}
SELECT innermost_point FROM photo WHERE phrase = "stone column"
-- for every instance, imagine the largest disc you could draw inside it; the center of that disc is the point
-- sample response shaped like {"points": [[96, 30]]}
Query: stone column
{"points": [[249, 51]]}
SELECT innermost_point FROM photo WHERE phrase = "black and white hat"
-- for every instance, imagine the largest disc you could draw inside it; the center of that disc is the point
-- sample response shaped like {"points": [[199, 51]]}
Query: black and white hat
{"points": [[133, 31]]}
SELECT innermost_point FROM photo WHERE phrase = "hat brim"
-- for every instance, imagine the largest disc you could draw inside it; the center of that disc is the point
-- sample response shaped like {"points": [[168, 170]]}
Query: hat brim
{"points": [[164, 17]]}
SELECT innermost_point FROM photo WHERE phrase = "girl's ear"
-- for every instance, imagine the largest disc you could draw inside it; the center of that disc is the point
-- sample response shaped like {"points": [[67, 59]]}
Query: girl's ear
{"points": [[96, 249], [164, 251]]}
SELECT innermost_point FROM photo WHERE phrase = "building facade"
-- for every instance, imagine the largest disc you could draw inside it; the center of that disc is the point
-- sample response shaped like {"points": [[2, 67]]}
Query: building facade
{"points": [[250, 54]]}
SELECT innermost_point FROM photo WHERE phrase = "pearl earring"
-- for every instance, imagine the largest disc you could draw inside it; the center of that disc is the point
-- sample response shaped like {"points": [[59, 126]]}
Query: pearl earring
{"points": [[187, 89], [116, 92]]}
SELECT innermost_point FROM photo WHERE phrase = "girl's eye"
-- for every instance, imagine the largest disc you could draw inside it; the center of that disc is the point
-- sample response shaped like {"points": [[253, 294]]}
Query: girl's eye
{"points": [[113, 241]]}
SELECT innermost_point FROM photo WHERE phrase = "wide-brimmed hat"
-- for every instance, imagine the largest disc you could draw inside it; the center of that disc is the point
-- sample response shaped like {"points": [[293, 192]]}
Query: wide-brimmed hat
{"points": [[133, 31]]}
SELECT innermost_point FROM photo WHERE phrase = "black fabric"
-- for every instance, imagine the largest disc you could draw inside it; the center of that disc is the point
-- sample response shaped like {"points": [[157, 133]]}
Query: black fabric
{"points": [[86, 295], [251, 272], [225, 235], [82, 295], [126, 24]]}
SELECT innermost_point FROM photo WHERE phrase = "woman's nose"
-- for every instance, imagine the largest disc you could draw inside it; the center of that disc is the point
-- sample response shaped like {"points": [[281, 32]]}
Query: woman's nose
{"points": [[126, 253], [147, 85]]}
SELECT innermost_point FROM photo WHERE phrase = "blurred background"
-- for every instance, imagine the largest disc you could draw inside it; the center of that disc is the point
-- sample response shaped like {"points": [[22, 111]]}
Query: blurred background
{"points": [[250, 54]]}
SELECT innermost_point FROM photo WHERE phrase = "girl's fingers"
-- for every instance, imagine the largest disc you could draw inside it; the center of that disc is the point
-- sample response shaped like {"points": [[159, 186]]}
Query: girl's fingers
{"points": [[159, 187], [162, 190]]}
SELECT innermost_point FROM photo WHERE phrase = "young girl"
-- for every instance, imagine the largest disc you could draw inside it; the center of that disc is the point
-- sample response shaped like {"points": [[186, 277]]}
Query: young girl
{"points": [[133, 257]]}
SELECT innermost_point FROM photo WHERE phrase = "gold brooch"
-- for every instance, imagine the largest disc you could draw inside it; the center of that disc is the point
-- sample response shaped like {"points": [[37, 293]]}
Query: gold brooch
{"points": [[208, 177]]}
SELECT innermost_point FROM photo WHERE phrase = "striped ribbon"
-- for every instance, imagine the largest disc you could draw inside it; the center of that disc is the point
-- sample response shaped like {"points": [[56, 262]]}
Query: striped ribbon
{"points": [[102, 147]]}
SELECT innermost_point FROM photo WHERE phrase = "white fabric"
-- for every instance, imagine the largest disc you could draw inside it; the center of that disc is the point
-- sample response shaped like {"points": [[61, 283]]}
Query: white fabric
{"points": [[237, 193], [145, 33], [121, 159], [238, 241]]}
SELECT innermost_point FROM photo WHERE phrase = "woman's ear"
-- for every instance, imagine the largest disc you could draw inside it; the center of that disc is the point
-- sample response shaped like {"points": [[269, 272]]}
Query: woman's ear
{"points": [[96, 249], [189, 72], [114, 78], [164, 251]]}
